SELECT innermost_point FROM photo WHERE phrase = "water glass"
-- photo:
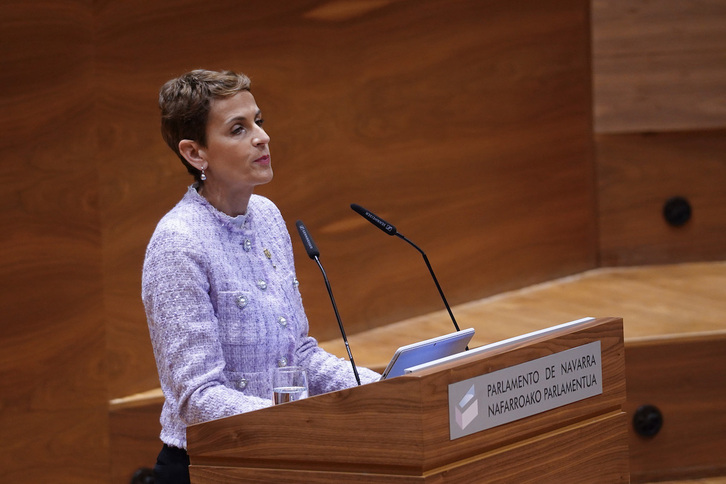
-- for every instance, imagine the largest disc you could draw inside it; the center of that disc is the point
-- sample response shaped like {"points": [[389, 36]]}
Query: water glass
{"points": [[289, 384]]}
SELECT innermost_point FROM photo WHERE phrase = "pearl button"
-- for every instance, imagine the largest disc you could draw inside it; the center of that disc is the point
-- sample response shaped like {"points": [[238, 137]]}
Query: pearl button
{"points": [[282, 362], [295, 282], [241, 301], [262, 284], [242, 384], [247, 245], [282, 321]]}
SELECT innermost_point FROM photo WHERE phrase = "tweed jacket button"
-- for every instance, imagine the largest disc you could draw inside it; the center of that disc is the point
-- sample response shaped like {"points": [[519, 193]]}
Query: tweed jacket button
{"points": [[262, 284], [241, 301], [282, 362], [295, 282], [242, 384], [282, 321], [247, 245]]}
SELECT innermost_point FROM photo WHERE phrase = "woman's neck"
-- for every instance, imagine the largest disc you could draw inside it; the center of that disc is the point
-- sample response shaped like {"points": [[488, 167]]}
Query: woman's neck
{"points": [[232, 204]]}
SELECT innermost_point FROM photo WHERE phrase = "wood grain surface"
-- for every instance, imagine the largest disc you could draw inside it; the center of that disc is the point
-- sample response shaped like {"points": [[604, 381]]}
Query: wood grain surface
{"points": [[592, 452], [638, 173], [53, 400], [677, 299], [685, 379], [659, 66]]}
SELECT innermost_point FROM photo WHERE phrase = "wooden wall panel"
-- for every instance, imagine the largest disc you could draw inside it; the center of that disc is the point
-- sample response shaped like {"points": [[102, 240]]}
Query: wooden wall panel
{"points": [[659, 73], [684, 378], [53, 400], [659, 65], [134, 439], [466, 124], [637, 173]]}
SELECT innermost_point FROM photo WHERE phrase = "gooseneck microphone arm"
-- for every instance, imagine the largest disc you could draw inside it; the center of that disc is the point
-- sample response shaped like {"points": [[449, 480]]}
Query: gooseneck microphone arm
{"points": [[314, 254], [433, 276], [391, 230]]}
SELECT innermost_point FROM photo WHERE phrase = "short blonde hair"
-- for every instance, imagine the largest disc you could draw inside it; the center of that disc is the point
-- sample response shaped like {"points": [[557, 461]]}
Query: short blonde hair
{"points": [[185, 102]]}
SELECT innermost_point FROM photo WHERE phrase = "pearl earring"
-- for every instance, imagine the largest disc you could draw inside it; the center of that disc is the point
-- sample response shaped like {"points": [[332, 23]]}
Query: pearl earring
{"points": [[203, 176]]}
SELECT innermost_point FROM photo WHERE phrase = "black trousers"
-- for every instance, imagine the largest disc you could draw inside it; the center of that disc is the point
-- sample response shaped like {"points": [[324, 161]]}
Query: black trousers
{"points": [[172, 466]]}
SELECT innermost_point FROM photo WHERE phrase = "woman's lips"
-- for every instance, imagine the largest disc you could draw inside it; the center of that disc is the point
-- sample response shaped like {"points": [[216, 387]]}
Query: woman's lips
{"points": [[263, 160]]}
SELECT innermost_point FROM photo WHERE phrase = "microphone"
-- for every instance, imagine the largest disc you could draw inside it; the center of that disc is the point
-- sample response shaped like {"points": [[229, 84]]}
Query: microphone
{"points": [[314, 254], [375, 220], [391, 230]]}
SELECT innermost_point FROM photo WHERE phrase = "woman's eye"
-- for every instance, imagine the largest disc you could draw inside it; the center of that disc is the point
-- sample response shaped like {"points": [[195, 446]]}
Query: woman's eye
{"points": [[237, 129], [259, 122]]}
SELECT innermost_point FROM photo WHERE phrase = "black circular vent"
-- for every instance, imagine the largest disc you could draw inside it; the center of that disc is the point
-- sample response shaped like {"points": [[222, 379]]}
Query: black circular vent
{"points": [[647, 420], [677, 211]]}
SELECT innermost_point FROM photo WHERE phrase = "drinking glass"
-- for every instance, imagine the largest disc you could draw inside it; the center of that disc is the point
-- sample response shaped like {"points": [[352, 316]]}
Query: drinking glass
{"points": [[289, 384]]}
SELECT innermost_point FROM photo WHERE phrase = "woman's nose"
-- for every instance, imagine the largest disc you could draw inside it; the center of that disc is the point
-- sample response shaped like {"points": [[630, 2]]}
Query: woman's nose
{"points": [[261, 138]]}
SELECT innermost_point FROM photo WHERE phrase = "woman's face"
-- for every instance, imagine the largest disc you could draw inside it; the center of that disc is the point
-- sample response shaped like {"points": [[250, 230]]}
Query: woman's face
{"points": [[237, 151]]}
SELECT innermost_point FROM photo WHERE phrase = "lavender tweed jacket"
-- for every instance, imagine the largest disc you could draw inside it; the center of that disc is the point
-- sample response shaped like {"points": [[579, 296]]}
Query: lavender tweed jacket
{"points": [[223, 308]]}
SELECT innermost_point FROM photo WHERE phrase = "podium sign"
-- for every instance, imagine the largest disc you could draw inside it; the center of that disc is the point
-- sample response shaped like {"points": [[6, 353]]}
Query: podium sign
{"points": [[524, 390]]}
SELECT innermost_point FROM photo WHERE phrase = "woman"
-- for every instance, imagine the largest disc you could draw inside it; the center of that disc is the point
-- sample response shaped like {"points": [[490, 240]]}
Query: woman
{"points": [[218, 284]]}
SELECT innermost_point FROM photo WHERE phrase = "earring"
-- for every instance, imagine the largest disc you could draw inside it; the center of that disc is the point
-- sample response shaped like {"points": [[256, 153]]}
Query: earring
{"points": [[203, 176]]}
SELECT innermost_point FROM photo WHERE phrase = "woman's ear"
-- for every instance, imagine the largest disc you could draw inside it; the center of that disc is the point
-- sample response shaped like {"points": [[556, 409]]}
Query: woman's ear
{"points": [[193, 153]]}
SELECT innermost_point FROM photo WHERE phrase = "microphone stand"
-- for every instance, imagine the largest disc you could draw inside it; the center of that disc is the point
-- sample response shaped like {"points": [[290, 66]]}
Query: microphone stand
{"points": [[436, 281], [391, 230], [337, 316], [314, 254]]}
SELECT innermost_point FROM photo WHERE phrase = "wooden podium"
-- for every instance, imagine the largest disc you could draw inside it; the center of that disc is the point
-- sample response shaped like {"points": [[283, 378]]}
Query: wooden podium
{"points": [[398, 430]]}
